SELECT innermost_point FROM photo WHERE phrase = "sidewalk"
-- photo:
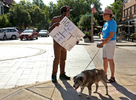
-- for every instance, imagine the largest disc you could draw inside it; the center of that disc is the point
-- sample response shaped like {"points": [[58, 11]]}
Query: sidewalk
{"points": [[123, 89]]}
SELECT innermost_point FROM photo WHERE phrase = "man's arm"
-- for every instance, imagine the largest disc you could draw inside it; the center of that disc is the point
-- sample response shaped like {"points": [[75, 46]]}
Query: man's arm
{"points": [[54, 23], [104, 41], [109, 37]]}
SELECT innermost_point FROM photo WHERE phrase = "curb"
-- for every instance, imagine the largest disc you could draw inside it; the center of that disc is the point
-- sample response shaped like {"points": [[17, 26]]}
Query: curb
{"points": [[39, 53], [19, 88]]}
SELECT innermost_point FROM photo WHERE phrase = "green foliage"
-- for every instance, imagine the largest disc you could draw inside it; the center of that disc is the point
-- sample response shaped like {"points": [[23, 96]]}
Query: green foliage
{"points": [[38, 3], [18, 16], [133, 34], [39, 15], [22, 2], [85, 22], [116, 9], [4, 21], [86, 33]]}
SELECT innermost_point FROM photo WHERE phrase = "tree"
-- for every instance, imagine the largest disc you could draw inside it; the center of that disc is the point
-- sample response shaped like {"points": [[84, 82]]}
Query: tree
{"points": [[4, 21], [38, 3], [37, 17], [51, 11], [22, 2], [77, 10], [18, 16], [116, 9], [85, 22]]}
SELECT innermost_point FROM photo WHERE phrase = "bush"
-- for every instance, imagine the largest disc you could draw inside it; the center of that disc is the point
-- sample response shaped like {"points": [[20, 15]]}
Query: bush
{"points": [[4, 22], [87, 36], [133, 35]]}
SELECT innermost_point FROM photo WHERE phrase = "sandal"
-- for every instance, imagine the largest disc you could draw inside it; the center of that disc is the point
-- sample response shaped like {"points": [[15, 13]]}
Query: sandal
{"points": [[111, 80], [106, 77]]}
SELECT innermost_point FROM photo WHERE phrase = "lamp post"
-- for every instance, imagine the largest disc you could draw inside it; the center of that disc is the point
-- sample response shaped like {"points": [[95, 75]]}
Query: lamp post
{"points": [[92, 40]]}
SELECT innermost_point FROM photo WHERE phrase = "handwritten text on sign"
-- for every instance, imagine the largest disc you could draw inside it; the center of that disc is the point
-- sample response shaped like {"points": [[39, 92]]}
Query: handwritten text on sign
{"points": [[67, 34]]}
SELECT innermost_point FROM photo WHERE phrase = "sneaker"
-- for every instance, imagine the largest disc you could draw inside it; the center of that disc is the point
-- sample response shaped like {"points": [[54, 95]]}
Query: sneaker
{"points": [[64, 77], [54, 80]]}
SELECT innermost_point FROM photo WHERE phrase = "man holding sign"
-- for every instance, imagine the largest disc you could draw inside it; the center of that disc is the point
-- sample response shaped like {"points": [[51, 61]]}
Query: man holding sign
{"points": [[60, 52]]}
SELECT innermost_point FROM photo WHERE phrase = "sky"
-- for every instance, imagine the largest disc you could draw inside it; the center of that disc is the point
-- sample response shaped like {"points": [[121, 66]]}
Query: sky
{"points": [[104, 3]]}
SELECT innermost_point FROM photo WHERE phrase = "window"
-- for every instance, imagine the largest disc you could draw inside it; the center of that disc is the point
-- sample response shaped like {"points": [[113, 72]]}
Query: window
{"points": [[127, 11], [1, 10], [7, 30], [1, 30], [12, 30], [130, 10], [124, 13], [134, 9]]}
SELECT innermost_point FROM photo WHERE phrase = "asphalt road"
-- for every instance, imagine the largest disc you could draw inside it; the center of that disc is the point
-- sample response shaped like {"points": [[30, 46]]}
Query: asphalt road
{"points": [[30, 61], [40, 40]]}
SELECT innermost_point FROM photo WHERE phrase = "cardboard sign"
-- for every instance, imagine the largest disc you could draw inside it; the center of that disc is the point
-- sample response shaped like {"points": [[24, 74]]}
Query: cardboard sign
{"points": [[67, 34]]}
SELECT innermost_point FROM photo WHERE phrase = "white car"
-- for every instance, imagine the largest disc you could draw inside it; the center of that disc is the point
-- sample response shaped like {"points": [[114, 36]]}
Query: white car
{"points": [[43, 33], [11, 33]]}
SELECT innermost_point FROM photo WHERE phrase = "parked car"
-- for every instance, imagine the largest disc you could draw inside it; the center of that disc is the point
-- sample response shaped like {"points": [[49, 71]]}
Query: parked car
{"points": [[29, 34], [11, 33], [43, 33]]}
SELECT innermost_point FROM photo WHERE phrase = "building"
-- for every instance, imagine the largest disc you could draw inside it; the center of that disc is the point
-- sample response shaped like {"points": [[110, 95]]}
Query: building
{"points": [[128, 16], [4, 6], [9, 2], [1, 7]]}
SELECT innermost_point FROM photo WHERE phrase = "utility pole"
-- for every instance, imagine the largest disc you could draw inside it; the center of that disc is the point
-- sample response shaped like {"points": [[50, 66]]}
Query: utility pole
{"points": [[92, 40]]}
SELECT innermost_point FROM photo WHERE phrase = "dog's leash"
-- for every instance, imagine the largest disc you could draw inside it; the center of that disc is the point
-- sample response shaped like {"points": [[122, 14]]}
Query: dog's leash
{"points": [[92, 59]]}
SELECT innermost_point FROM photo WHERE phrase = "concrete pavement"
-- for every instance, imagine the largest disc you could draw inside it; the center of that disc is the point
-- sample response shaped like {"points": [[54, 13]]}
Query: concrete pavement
{"points": [[27, 76]]}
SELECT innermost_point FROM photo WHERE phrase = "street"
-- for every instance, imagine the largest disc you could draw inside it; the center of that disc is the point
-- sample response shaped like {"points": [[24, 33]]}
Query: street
{"points": [[18, 41], [28, 48], [30, 61]]}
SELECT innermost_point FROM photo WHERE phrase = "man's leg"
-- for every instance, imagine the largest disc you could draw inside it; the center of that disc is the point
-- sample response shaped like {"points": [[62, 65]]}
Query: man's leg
{"points": [[112, 67], [63, 76], [4, 37], [62, 60], [105, 65], [111, 50], [57, 53]]}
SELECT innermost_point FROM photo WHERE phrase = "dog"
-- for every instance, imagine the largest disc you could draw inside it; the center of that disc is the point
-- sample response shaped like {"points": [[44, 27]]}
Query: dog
{"points": [[87, 78]]}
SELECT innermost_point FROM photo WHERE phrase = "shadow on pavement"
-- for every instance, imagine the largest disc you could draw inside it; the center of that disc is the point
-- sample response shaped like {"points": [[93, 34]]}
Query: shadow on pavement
{"points": [[124, 91], [69, 93], [105, 98]]}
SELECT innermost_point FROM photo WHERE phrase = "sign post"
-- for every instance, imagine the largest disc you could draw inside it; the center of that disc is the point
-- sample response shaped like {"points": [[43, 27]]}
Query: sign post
{"points": [[88, 15]]}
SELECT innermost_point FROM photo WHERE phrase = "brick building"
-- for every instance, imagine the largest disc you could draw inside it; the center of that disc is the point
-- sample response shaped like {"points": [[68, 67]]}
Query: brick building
{"points": [[4, 6], [128, 16]]}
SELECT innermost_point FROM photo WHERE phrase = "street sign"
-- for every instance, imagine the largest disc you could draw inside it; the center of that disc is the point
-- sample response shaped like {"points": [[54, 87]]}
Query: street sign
{"points": [[88, 15]]}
